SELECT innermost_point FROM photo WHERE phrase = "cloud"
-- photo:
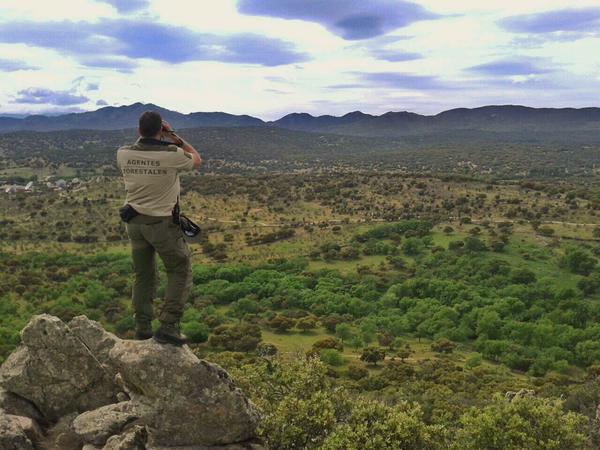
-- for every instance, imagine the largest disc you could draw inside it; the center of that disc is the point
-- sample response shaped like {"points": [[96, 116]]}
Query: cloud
{"points": [[349, 19], [120, 64], [127, 6], [348, 86], [92, 87], [563, 20], [509, 67], [394, 80], [113, 42], [101, 103], [13, 65], [395, 55], [48, 97], [383, 48], [398, 80]]}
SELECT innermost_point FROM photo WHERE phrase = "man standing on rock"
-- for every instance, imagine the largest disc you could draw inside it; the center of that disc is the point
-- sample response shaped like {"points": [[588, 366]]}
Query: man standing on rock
{"points": [[150, 170]]}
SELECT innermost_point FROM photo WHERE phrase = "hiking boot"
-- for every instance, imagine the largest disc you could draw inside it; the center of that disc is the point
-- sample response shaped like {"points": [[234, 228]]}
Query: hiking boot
{"points": [[141, 335], [169, 334], [143, 331]]}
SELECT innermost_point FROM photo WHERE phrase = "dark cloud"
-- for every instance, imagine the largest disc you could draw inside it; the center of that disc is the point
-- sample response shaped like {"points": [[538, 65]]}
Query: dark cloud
{"points": [[509, 67], [127, 6], [49, 97], [349, 19], [563, 20], [13, 65], [101, 103], [109, 40]]}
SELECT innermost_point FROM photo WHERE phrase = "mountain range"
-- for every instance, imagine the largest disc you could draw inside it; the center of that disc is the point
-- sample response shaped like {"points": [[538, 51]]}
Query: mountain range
{"points": [[504, 118]]}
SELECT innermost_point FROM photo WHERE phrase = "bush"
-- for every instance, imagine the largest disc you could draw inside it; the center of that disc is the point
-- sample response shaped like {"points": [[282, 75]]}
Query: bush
{"points": [[523, 276], [375, 426], [474, 244], [357, 371], [525, 423], [473, 361], [372, 355], [579, 260], [331, 357], [241, 338], [328, 342], [196, 332], [281, 323], [413, 246], [443, 346]]}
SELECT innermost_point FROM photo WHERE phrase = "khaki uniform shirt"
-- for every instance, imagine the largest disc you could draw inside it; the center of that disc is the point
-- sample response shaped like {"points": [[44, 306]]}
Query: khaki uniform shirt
{"points": [[150, 170]]}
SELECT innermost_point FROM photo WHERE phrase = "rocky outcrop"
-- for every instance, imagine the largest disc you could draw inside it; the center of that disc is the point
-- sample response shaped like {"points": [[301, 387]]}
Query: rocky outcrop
{"points": [[55, 371], [89, 389]]}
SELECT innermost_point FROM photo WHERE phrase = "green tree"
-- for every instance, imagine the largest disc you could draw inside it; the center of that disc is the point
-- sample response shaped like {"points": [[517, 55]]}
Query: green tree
{"points": [[375, 426], [344, 331], [307, 323], [281, 323], [579, 260], [525, 423], [443, 346], [372, 355], [331, 356]]}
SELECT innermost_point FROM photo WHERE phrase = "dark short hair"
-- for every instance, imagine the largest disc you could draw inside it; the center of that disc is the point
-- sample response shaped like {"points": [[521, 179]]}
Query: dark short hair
{"points": [[150, 123]]}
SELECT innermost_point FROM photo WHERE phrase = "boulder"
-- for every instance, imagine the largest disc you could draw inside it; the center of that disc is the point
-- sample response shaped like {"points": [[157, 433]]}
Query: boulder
{"points": [[97, 391], [55, 371], [193, 402]]}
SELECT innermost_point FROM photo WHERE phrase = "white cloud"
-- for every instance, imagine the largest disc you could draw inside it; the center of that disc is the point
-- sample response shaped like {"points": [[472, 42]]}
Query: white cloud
{"points": [[469, 36]]}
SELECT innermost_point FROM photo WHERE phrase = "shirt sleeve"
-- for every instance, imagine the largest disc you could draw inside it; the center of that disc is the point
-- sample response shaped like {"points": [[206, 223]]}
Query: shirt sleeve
{"points": [[181, 160]]}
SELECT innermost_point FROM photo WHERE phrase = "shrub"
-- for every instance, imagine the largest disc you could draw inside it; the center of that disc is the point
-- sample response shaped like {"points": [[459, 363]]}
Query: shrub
{"points": [[525, 423], [443, 346], [357, 371], [331, 357], [372, 355], [196, 332]]}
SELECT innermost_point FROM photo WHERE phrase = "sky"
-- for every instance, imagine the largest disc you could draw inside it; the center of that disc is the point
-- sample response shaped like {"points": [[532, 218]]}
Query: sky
{"points": [[268, 58]]}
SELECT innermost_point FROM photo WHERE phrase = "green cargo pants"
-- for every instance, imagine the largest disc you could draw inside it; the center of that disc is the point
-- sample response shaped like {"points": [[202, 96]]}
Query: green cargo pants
{"points": [[150, 235]]}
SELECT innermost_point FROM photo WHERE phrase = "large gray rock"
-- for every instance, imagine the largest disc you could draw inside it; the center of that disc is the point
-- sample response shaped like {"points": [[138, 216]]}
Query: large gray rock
{"points": [[55, 371], [193, 402], [105, 391]]}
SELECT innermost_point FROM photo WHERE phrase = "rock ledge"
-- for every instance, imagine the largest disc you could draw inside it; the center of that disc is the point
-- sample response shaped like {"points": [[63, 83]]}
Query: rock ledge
{"points": [[74, 386]]}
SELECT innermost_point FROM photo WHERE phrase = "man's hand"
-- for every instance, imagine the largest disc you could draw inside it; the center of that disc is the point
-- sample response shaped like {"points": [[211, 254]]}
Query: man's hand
{"points": [[166, 127], [168, 131]]}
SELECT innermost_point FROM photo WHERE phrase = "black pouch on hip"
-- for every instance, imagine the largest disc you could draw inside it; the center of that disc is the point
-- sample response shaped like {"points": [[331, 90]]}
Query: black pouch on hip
{"points": [[127, 212]]}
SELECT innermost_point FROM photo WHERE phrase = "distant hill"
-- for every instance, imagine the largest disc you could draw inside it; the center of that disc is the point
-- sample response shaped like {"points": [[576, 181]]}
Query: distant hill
{"points": [[506, 118], [123, 117], [487, 118]]}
